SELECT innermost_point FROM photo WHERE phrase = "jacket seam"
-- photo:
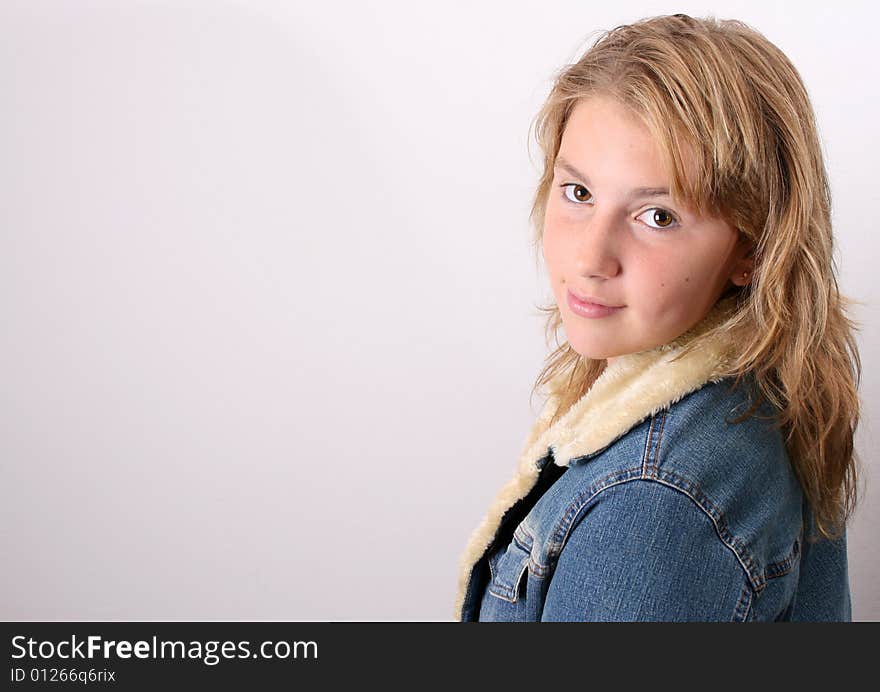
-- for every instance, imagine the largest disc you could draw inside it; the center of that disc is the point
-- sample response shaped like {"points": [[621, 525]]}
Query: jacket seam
{"points": [[651, 469], [743, 608], [650, 461], [527, 545], [584, 499]]}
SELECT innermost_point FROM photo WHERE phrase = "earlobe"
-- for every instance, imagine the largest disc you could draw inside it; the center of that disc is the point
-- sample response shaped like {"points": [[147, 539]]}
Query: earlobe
{"points": [[746, 265], [743, 274]]}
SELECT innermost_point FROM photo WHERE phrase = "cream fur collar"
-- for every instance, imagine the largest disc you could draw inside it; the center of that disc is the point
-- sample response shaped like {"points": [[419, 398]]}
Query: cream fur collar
{"points": [[632, 388]]}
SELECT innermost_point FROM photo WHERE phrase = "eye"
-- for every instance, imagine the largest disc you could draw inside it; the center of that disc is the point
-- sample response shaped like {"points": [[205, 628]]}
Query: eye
{"points": [[661, 217], [579, 192]]}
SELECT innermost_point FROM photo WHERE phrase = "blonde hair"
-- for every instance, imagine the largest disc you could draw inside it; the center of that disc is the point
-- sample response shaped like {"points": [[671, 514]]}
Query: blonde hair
{"points": [[721, 90]]}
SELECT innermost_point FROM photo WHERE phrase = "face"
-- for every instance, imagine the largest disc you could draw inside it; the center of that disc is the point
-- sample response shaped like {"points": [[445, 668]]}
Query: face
{"points": [[612, 235]]}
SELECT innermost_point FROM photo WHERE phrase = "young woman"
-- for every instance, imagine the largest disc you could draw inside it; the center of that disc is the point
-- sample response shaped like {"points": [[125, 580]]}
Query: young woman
{"points": [[694, 458]]}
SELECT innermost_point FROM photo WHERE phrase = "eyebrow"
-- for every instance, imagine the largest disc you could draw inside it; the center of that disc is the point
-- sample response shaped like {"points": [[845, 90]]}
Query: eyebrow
{"points": [[636, 192]]}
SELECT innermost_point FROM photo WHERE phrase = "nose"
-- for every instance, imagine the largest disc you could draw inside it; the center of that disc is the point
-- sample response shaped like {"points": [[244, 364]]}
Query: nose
{"points": [[597, 251]]}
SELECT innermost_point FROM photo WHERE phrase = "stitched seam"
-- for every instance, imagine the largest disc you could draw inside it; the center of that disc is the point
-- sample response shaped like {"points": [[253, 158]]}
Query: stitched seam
{"points": [[692, 490], [744, 604], [535, 567], [758, 576], [526, 547], [644, 464], [656, 452], [509, 593], [527, 543], [681, 483], [652, 445], [560, 533], [784, 566], [721, 530], [582, 499]]}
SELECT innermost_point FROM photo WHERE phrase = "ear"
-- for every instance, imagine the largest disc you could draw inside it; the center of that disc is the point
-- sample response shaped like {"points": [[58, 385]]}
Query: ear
{"points": [[744, 266]]}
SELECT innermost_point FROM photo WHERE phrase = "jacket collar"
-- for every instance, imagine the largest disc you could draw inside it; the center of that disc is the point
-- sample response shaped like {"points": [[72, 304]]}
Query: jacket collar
{"points": [[633, 387]]}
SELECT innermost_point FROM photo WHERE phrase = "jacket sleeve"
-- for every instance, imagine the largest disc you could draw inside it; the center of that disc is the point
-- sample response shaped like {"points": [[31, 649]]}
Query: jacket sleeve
{"points": [[646, 551]]}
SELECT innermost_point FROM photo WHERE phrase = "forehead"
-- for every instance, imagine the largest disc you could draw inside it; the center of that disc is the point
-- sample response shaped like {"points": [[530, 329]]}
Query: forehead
{"points": [[605, 109], [601, 132], [605, 136]]}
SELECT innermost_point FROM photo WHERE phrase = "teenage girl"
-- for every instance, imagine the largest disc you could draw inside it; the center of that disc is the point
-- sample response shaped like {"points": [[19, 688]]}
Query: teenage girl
{"points": [[694, 458]]}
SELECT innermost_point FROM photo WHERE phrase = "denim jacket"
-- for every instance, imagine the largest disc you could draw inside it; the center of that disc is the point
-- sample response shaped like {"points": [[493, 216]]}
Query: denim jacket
{"points": [[644, 503]]}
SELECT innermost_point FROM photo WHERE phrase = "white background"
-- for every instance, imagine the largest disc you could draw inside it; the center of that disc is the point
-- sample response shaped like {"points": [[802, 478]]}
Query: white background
{"points": [[268, 294]]}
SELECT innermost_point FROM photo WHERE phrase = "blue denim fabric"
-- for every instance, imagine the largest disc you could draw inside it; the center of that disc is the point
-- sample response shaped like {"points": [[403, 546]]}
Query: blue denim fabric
{"points": [[686, 517]]}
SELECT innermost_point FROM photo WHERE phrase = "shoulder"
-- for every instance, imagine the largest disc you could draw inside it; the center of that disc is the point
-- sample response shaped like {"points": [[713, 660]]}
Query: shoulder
{"points": [[642, 550], [738, 473]]}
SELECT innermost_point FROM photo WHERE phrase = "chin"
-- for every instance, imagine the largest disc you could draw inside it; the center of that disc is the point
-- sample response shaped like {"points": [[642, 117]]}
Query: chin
{"points": [[594, 351]]}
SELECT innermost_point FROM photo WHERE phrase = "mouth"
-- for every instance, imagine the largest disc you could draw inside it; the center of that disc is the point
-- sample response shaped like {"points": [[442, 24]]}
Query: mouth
{"points": [[589, 306], [590, 300]]}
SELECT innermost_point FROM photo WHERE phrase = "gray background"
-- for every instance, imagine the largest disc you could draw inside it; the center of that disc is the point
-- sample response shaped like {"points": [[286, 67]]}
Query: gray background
{"points": [[268, 296]]}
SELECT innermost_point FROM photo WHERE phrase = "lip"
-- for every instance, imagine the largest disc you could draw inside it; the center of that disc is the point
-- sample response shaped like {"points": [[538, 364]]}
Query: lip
{"points": [[591, 307]]}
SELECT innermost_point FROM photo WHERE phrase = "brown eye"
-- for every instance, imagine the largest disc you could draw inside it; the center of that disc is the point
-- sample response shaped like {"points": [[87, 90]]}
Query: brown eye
{"points": [[662, 218], [579, 192]]}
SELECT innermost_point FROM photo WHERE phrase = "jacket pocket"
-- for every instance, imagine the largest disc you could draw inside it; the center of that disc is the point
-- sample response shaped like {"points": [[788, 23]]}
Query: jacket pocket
{"points": [[508, 570]]}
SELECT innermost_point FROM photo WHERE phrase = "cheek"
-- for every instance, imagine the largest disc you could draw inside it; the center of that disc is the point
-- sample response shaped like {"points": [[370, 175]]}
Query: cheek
{"points": [[692, 276], [672, 291], [674, 273], [553, 250]]}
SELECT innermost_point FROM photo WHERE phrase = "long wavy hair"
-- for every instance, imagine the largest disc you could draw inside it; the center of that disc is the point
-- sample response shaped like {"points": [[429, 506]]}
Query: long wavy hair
{"points": [[720, 89]]}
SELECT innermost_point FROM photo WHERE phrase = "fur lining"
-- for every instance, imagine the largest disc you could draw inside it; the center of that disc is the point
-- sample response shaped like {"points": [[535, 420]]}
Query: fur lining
{"points": [[632, 388]]}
